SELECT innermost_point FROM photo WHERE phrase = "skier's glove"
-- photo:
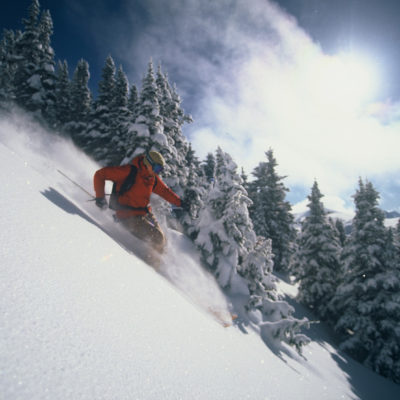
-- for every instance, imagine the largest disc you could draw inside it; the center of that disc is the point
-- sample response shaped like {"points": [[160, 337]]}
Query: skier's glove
{"points": [[185, 204], [101, 202]]}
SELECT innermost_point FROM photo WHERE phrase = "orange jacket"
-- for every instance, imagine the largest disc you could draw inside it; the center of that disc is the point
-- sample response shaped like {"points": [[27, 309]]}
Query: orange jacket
{"points": [[139, 195]]}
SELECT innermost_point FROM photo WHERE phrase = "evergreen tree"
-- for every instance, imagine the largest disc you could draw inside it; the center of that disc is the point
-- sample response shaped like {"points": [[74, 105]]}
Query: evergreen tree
{"points": [[99, 132], [133, 102], [316, 262], [154, 131], [209, 167], [120, 120], [277, 321], [257, 268], [149, 107], [194, 192], [341, 232], [176, 174], [8, 63], [81, 100], [27, 82], [270, 213], [147, 132], [225, 231], [244, 178], [62, 96], [397, 237], [367, 302], [164, 97], [229, 246], [46, 70], [34, 77], [385, 359]]}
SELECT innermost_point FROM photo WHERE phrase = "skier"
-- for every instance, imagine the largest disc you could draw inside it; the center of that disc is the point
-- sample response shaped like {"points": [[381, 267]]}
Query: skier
{"points": [[134, 211]]}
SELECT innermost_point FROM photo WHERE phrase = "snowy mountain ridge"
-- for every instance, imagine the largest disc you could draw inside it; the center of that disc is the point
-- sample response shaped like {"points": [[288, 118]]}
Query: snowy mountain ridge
{"points": [[82, 317], [391, 217]]}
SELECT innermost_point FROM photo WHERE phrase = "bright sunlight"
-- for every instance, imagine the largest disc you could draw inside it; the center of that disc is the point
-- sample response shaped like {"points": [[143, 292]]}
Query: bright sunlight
{"points": [[343, 81]]}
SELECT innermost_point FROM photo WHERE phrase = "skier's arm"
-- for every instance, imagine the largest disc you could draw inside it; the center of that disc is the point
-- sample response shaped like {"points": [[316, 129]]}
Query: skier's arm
{"points": [[166, 193], [108, 174]]}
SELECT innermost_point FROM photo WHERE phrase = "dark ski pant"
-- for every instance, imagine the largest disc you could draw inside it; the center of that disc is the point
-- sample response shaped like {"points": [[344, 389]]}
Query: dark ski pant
{"points": [[146, 228]]}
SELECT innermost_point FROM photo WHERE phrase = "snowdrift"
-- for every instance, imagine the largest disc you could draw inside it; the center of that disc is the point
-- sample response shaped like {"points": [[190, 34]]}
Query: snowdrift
{"points": [[82, 316]]}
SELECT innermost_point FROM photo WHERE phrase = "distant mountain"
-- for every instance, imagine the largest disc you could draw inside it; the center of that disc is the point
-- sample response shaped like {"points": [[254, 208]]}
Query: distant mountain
{"points": [[391, 218], [392, 214]]}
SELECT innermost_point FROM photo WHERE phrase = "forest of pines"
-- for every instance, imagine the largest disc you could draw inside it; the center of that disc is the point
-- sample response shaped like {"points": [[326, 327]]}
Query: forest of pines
{"points": [[244, 229]]}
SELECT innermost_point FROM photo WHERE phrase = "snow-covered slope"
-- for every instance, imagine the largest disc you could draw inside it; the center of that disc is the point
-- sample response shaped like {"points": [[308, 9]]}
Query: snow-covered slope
{"points": [[82, 317]]}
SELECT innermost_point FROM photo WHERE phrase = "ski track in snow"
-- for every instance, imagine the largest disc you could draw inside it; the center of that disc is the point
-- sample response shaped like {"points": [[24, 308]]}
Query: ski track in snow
{"points": [[83, 318]]}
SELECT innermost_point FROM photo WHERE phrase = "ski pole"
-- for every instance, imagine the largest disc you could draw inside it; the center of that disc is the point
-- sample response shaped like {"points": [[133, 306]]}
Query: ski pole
{"points": [[76, 184]]}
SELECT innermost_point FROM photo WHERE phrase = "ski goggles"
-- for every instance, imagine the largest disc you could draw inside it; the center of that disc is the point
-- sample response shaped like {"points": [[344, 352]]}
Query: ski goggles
{"points": [[157, 168]]}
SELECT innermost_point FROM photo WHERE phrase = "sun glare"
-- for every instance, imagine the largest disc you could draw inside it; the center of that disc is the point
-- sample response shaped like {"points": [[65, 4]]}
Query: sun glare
{"points": [[343, 81]]}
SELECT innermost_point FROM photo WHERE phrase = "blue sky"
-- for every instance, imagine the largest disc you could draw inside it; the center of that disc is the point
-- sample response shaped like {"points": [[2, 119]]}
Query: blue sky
{"points": [[315, 80]]}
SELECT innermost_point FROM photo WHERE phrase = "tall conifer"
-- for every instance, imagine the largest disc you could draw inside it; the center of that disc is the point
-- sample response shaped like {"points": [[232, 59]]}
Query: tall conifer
{"points": [[121, 119], [316, 262], [149, 107], [46, 69], [367, 302], [8, 64], [26, 81], [99, 131], [62, 96], [270, 212], [133, 102], [225, 231], [81, 101]]}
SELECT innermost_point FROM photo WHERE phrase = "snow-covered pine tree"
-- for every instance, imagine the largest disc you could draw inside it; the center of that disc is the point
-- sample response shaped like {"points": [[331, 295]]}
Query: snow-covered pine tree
{"points": [[198, 186], [385, 358], [341, 231], [194, 190], [149, 107], [316, 262], [257, 269], [164, 97], [367, 302], [209, 167], [231, 249], [177, 114], [46, 70], [8, 62], [224, 230], [99, 133], [245, 178], [195, 193], [120, 120], [81, 101], [160, 132], [270, 213], [397, 237], [176, 173], [275, 316], [62, 96], [133, 100], [392, 260], [27, 82], [147, 132]]}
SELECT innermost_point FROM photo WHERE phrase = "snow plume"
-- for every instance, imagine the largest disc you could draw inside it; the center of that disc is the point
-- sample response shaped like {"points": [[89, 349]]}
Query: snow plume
{"points": [[198, 285], [253, 79], [48, 154], [44, 151]]}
